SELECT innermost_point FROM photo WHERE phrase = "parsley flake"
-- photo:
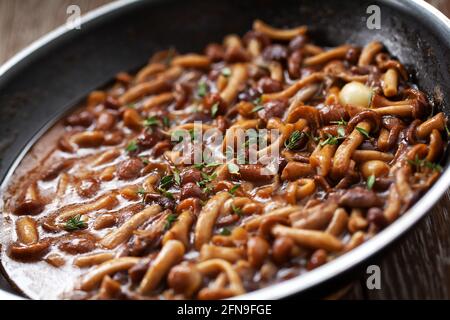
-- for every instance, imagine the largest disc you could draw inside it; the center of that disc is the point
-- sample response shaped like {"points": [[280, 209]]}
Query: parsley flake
{"points": [[236, 210], [370, 182], [171, 218], [202, 89], [214, 109], [75, 223], [293, 140], [363, 132], [233, 190], [224, 232], [151, 121], [226, 72], [132, 146], [257, 108]]}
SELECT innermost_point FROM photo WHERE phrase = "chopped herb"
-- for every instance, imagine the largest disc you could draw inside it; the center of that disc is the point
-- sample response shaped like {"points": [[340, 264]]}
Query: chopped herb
{"points": [[224, 232], [166, 182], [233, 190], [132, 146], [166, 193], [179, 134], [170, 55], [200, 166], [166, 122], [341, 131], [206, 179], [257, 108], [311, 137], [233, 168], [214, 109], [447, 130], [207, 189], [193, 134], [75, 223], [202, 89], [431, 165], [171, 218], [370, 98], [144, 160], [370, 182], [226, 72], [418, 163], [141, 192], [257, 101], [212, 165], [331, 140], [236, 210], [293, 140], [341, 122], [363, 132], [131, 106], [151, 121], [176, 177]]}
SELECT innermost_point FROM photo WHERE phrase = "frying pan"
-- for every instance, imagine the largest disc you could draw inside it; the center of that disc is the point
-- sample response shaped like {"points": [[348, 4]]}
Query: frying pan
{"points": [[54, 73]]}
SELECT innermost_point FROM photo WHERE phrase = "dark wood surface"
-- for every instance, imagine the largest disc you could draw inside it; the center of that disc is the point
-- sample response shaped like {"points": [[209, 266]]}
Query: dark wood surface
{"points": [[418, 267]]}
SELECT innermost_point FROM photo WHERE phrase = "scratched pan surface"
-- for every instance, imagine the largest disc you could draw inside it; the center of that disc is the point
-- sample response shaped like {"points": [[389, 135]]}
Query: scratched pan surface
{"points": [[50, 77]]}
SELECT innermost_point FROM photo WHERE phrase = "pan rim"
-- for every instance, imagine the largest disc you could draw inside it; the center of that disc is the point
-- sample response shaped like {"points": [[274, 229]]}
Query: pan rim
{"points": [[302, 282]]}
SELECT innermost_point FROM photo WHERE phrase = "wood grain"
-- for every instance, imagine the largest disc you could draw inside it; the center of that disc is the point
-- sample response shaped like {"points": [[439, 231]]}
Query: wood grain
{"points": [[22, 22], [417, 268]]}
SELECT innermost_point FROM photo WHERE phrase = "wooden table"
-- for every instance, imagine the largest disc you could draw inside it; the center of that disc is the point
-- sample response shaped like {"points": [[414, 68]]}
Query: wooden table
{"points": [[419, 266]]}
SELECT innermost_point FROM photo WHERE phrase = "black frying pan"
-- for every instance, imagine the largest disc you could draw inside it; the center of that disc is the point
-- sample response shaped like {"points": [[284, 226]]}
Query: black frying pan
{"points": [[40, 84]]}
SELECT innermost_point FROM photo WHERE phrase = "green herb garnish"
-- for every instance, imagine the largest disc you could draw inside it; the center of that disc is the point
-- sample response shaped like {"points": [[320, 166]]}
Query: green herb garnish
{"points": [[341, 122], [144, 160], [206, 179], [331, 140], [166, 193], [171, 218], [311, 137], [75, 223], [176, 176], [214, 109], [151, 121], [370, 182], [166, 182], [170, 55], [132, 146], [193, 134], [226, 72], [233, 190], [257, 101], [202, 89], [166, 122], [363, 132], [293, 140], [236, 210], [341, 131], [257, 108], [418, 163], [200, 166], [141, 192], [224, 232]]}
